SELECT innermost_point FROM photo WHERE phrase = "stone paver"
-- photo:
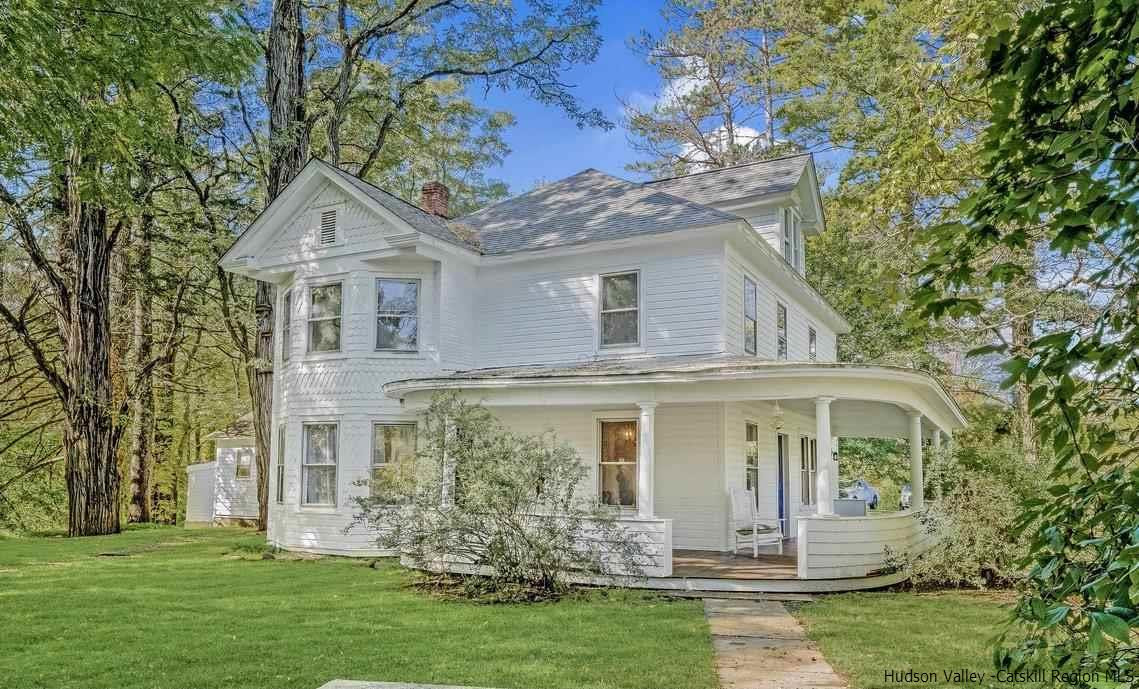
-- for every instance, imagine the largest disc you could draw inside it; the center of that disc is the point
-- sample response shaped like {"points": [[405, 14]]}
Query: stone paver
{"points": [[759, 645]]}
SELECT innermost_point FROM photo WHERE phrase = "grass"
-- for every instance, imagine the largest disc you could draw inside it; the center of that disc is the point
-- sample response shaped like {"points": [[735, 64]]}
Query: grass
{"points": [[865, 634], [170, 607]]}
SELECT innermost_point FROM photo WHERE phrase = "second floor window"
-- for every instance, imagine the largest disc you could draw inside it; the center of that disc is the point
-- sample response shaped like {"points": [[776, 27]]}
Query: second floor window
{"points": [[812, 344], [324, 318], [620, 309], [792, 239], [397, 315], [750, 306], [780, 331]]}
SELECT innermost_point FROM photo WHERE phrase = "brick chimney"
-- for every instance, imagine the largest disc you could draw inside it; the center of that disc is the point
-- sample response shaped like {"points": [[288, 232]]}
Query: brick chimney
{"points": [[435, 199]]}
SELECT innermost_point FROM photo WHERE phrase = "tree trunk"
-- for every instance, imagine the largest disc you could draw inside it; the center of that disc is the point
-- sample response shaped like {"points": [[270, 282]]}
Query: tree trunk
{"points": [[142, 405], [288, 153], [90, 437], [163, 432], [261, 394]]}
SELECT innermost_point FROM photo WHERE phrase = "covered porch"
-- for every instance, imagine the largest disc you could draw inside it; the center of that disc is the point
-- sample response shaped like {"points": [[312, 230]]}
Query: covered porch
{"points": [[668, 442]]}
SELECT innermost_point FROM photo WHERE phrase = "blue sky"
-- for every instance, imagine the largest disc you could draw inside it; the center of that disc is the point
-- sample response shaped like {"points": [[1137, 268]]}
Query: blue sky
{"points": [[545, 144]]}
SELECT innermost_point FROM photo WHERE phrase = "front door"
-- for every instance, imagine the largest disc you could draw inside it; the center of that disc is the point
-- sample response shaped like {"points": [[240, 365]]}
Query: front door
{"points": [[784, 477]]}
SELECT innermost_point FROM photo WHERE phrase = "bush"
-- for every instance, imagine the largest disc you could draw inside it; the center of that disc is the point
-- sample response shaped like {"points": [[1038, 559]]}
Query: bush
{"points": [[497, 503], [982, 484]]}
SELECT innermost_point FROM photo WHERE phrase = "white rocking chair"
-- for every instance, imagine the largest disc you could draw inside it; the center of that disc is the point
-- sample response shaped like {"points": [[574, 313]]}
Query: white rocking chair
{"points": [[747, 526]]}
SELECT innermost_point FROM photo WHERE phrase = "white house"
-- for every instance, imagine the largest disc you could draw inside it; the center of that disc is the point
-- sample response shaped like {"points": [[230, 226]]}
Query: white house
{"points": [[665, 329], [224, 491]]}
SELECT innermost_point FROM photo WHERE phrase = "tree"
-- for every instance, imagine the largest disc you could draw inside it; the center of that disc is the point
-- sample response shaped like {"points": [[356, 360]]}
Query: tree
{"points": [[718, 106], [1059, 167], [83, 109], [502, 503]]}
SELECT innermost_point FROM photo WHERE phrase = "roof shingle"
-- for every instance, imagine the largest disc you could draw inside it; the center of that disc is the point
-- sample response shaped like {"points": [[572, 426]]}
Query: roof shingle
{"points": [[761, 178], [587, 207]]}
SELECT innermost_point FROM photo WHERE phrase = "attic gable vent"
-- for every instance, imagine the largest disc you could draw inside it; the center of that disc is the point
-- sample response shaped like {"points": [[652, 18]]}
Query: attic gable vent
{"points": [[327, 227]]}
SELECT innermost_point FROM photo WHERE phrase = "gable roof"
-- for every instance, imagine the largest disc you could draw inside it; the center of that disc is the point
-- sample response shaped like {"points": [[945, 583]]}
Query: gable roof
{"points": [[761, 178], [419, 219], [590, 206]]}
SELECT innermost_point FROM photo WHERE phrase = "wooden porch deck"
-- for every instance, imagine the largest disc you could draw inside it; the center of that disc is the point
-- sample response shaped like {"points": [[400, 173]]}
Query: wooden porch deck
{"points": [[707, 564]]}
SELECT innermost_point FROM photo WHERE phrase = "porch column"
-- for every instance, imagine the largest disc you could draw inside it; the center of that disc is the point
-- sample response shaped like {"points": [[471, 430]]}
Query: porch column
{"points": [[827, 475], [917, 477], [645, 459]]}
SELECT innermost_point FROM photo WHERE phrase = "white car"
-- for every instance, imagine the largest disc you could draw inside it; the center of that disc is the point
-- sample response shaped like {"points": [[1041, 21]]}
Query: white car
{"points": [[861, 490]]}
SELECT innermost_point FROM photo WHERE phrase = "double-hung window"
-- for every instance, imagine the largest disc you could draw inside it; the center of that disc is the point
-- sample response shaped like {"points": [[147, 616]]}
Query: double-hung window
{"points": [[318, 469], [397, 315], [751, 464], [243, 463], [788, 237], [812, 344], [780, 331], [808, 469], [392, 443], [280, 464], [325, 306], [750, 316], [287, 326], [620, 309], [618, 470]]}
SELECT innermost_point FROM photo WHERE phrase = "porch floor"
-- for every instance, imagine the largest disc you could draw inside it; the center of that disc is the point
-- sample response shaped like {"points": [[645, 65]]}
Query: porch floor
{"points": [[708, 564]]}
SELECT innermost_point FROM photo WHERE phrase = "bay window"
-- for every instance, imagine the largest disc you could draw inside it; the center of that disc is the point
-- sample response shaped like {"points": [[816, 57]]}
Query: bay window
{"points": [[397, 314], [325, 307], [318, 468], [391, 443]]}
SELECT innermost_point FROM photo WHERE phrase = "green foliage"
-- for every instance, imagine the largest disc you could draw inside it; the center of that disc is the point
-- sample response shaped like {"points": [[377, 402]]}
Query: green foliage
{"points": [[506, 505], [1060, 169]]}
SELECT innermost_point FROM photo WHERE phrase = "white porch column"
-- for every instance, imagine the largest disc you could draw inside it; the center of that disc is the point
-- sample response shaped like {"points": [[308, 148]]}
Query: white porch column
{"points": [[645, 459], [917, 477], [827, 476]]}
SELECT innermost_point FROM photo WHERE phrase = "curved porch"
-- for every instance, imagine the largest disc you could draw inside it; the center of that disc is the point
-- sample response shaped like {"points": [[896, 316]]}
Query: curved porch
{"points": [[668, 442]]}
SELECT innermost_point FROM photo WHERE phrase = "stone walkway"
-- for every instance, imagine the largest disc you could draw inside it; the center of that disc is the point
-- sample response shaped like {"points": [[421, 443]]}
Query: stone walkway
{"points": [[759, 645]]}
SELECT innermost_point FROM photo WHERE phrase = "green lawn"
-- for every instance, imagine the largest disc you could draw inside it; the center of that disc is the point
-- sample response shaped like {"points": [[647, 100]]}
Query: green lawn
{"points": [[198, 608], [865, 634]]}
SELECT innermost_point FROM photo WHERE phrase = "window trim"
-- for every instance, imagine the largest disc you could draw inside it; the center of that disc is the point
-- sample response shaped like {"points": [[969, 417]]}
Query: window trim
{"points": [[372, 466], [639, 308], [286, 325], [597, 425], [812, 343], [309, 319], [238, 452], [781, 337], [754, 317], [279, 492], [418, 313], [305, 465]]}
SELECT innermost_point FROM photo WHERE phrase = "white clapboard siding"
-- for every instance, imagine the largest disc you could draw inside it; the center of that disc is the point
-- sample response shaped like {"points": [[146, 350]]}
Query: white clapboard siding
{"points": [[547, 311], [768, 294], [200, 493], [834, 547], [689, 466], [234, 498]]}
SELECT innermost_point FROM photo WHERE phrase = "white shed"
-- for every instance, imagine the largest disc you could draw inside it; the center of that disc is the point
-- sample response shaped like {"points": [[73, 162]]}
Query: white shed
{"points": [[224, 491]]}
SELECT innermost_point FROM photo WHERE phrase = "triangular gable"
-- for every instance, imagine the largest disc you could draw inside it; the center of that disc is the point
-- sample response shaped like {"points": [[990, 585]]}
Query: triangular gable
{"points": [[301, 193]]}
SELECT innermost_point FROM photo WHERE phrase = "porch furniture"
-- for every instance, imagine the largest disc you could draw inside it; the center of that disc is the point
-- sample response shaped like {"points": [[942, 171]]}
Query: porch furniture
{"points": [[749, 528]]}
